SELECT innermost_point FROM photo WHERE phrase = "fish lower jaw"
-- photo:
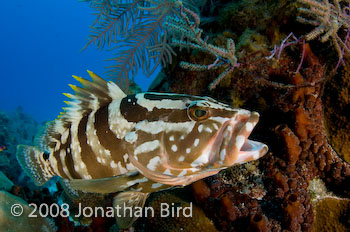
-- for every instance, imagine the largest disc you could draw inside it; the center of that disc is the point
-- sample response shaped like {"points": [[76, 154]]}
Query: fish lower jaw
{"points": [[251, 150], [240, 149]]}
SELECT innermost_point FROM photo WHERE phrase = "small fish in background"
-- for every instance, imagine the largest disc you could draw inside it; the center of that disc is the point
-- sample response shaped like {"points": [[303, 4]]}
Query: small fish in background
{"points": [[106, 141], [2, 148]]}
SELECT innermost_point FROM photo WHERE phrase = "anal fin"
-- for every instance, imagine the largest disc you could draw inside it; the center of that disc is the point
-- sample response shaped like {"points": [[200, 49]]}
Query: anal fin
{"points": [[134, 200]]}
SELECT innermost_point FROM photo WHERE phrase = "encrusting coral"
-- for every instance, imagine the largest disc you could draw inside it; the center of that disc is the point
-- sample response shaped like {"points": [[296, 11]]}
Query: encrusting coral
{"points": [[189, 218], [337, 111], [332, 214]]}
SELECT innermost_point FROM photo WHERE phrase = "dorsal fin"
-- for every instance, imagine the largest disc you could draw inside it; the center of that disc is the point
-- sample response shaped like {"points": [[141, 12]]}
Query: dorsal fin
{"points": [[91, 96]]}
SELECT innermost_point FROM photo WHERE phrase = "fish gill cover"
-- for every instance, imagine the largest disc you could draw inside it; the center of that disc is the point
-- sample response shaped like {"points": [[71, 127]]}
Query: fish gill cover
{"points": [[288, 60]]}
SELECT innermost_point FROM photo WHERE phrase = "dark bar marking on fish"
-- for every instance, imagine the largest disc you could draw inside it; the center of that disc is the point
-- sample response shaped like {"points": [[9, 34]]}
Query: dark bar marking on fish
{"points": [[69, 160], [61, 163], [56, 154], [107, 138], [88, 157]]}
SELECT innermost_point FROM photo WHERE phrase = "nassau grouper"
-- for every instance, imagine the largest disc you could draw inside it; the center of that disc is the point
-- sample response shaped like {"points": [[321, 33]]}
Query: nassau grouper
{"points": [[106, 141]]}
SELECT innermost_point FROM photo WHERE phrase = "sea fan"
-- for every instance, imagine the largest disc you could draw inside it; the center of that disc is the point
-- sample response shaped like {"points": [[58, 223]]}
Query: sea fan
{"points": [[134, 29]]}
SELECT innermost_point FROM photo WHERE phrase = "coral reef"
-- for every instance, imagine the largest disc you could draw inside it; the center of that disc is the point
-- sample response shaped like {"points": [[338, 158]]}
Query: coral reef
{"points": [[224, 203], [304, 119], [15, 128], [291, 106]]}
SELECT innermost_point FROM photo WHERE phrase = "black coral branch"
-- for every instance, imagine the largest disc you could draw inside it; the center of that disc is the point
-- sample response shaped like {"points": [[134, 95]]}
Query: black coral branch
{"points": [[134, 29], [112, 19]]}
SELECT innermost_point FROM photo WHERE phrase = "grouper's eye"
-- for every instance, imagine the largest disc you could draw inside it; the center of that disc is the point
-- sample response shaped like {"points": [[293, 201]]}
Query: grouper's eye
{"points": [[198, 113]]}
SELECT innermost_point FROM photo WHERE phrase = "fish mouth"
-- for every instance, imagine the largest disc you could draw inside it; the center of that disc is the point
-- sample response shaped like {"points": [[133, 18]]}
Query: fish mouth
{"points": [[233, 144]]}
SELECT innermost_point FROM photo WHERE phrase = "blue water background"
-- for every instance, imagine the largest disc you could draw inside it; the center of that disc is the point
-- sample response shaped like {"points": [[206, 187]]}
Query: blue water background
{"points": [[40, 47]]}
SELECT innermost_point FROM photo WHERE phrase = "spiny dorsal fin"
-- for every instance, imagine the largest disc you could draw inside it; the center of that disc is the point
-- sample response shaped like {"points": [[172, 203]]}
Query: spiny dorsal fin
{"points": [[128, 199], [91, 96]]}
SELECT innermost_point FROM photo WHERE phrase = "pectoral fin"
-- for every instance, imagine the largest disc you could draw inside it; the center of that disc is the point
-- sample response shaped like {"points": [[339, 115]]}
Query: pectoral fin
{"points": [[105, 185], [171, 179], [128, 199]]}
